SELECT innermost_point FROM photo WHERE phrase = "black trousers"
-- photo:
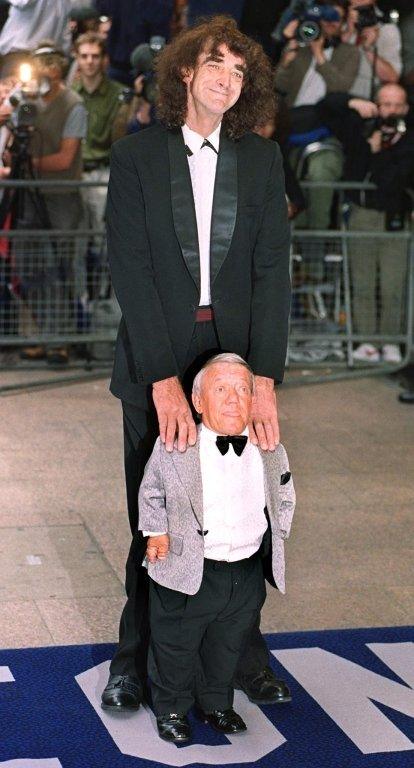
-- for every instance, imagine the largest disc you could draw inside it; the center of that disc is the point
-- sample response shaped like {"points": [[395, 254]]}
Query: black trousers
{"points": [[140, 433], [196, 640]]}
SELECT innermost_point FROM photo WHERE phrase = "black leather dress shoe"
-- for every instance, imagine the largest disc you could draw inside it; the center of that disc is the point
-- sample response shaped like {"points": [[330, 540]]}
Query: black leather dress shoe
{"points": [[224, 721], [175, 728], [122, 692], [264, 688]]}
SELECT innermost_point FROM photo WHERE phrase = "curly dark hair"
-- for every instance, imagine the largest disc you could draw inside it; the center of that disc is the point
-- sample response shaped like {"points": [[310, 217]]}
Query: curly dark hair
{"points": [[256, 101]]}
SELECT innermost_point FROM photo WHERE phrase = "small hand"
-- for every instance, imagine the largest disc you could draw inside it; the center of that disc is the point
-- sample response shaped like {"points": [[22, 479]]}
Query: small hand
{"points": [[293, 210], [139, 84], [264, 427], [366, 109], [375, 142], [317, 48], [158, 547], [143, 113], [289, 54], [174, 415], [368, 37], [290, 30]]}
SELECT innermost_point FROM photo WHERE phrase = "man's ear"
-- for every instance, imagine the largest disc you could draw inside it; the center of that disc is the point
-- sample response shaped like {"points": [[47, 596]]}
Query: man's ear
{"points": [[187, 75], [197, 402]]}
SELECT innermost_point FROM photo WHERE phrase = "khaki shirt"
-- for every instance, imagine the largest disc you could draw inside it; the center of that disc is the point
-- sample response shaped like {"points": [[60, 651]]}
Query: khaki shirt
{"points": [[105, 113]]}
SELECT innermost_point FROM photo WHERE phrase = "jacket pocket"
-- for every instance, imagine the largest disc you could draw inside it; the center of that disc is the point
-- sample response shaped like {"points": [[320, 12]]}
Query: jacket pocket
{"points": [[176, 543]]}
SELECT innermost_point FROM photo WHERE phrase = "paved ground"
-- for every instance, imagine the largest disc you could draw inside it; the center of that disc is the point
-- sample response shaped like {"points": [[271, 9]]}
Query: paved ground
{"points": [[64, 533]]}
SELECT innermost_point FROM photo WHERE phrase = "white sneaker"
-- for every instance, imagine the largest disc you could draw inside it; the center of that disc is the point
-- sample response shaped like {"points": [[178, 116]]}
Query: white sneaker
{"points": [[391, 353], [366, 353]]}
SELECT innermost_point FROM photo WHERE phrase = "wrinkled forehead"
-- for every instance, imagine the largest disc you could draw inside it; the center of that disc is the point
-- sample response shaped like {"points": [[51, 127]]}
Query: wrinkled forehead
{"points": [[214, 51], [226, 373]]}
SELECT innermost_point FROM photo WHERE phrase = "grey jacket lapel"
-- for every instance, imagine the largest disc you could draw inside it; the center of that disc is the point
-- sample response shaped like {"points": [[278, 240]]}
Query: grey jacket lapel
{"points": [[188, 468], [182, 203], [224, 205]]}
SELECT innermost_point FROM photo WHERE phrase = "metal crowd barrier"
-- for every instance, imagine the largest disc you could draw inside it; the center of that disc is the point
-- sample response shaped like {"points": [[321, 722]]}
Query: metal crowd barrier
{"points": [[55, 288], [335, 307], [55, 291]]}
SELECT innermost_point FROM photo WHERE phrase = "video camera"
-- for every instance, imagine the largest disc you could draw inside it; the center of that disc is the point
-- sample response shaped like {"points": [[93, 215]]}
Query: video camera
{"points": [[143, 63], [23, 100], [309, 15]]}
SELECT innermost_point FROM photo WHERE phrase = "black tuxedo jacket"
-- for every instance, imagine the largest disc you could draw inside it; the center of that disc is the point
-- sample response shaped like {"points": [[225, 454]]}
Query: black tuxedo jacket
{"points": [[154, 259]]}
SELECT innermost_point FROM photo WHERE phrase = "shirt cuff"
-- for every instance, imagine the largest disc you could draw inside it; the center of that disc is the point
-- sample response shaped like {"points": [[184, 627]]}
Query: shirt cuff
{"points": [[154, 533]]}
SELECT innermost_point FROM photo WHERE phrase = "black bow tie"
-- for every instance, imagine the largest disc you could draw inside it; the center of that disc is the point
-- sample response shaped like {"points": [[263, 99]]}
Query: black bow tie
{"points": [[206, 143], [238, 442]]}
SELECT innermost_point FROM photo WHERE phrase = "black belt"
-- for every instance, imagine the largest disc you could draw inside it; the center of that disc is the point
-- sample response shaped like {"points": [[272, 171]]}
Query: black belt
{"points": [[231, 565]]}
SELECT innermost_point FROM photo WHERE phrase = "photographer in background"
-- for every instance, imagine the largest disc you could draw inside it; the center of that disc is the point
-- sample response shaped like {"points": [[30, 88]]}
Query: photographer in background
{"points": [[380, 46], [305, 74], [379, 148], [107, 121], [59, 127], [142, 97]]}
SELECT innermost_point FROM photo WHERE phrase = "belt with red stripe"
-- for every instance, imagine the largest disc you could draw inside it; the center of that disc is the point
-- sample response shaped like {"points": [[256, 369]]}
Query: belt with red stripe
{"points": [[204, 314]]}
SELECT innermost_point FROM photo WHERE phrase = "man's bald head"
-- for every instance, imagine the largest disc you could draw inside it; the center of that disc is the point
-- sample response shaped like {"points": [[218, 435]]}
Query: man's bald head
{"points": [[392, 100]]}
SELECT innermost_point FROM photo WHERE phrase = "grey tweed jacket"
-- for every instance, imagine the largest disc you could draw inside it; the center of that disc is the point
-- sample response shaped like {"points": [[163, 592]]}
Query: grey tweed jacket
{"points": [[171, 499]]}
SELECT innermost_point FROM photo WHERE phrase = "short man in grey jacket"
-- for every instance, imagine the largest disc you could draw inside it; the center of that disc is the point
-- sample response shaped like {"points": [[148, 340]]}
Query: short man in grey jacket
{"points": [[215, 517]]}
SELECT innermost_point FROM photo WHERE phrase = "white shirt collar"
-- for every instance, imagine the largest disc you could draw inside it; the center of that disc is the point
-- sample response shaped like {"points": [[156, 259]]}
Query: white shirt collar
{"points": [[208, 434], [194, 140]]}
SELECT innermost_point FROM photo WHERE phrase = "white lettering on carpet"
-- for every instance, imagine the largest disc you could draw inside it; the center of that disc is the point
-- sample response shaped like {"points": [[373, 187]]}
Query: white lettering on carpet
{"points": [[6, 676], [346, 692], [135, 733]]}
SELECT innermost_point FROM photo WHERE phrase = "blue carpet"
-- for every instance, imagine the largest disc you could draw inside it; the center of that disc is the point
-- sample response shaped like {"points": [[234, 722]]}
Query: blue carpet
{"points": [[353, 707]]}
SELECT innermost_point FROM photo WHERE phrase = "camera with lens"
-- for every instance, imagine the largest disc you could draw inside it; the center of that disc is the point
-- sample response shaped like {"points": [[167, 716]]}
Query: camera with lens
{"points": [[143, 62], [24, 110], [370, 16], [23, 100], [309, 15], [367, 17], [389, 127]]}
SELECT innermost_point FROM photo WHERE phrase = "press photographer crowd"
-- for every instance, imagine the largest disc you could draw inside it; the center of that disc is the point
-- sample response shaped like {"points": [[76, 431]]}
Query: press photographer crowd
{"points": [[76, 76]]}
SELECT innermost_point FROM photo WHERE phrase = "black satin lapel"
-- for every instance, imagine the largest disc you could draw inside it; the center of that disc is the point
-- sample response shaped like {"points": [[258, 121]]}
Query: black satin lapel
{"points": [[224, 205], [182, 203]]}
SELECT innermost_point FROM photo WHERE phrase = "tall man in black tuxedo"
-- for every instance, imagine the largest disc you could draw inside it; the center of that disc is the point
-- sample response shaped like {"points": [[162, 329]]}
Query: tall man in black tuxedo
{"points": [[198, 243]]}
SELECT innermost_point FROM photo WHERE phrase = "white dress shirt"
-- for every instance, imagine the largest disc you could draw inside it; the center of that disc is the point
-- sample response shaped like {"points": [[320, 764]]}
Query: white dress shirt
{"points": [[234, 520], [202, 164], [233, 499]]}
